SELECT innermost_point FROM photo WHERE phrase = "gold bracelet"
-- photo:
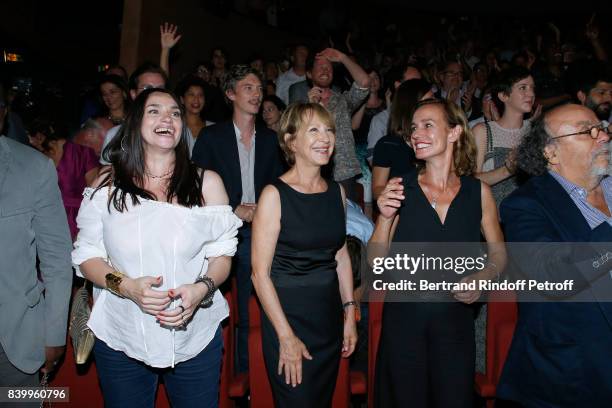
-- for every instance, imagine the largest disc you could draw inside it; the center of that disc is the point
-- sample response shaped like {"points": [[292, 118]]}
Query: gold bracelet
{"points": [[113, 280]]}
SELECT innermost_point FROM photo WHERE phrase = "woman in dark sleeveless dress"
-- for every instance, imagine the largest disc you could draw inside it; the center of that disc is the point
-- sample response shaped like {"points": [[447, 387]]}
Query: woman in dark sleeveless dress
{"points": [[301, 267], [426, 353]]}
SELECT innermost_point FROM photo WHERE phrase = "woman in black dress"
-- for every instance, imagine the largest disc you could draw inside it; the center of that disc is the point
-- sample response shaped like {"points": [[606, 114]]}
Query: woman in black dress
{"points": [[393, 155], [426, 353], [301, 267]]}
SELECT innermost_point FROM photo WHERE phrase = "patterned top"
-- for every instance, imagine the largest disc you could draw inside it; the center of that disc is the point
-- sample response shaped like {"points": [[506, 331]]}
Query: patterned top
{"points": [[592, 215], [342, 106]]}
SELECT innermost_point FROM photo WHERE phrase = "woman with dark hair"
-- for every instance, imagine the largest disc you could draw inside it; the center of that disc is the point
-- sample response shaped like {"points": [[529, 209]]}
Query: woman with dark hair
{"points": [[426, 352], [115, 96], [393, 155], [156, 236], [77, 166], [218, 56], [514, 92], [272, 107], [192, 93], [363, 116], [301, 268]]}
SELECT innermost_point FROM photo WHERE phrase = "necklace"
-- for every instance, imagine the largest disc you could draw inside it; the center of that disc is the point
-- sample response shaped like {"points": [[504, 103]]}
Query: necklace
{"points": [[116, 120], [159, 177], [434, 201]]}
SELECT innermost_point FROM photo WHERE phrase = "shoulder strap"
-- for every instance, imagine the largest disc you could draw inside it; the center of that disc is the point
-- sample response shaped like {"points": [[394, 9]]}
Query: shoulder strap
{"points": [[489, 136]]}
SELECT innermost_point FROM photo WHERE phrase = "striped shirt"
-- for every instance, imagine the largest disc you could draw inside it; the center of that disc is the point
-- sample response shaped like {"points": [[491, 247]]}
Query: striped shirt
{"points": [[592, 215]]}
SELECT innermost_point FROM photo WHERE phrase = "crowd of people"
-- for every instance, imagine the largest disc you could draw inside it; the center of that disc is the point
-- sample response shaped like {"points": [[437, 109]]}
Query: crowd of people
{"points": [[256, 171]]}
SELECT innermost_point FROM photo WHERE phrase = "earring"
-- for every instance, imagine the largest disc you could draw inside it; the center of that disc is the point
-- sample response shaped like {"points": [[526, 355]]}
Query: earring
{"points": [[123, 149]]}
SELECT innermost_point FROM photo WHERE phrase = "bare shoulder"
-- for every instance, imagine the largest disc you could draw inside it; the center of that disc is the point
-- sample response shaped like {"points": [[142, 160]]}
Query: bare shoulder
{"points": [[269, 195], [479, 129], [213, 189]]}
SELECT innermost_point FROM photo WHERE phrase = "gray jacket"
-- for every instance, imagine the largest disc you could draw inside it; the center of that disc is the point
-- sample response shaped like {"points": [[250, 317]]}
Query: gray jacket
{"points": [[32, 222]]}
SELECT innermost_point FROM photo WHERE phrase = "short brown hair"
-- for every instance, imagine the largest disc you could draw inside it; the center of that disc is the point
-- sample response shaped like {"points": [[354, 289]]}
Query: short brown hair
{"points": [[464, 150], [294, 118]]}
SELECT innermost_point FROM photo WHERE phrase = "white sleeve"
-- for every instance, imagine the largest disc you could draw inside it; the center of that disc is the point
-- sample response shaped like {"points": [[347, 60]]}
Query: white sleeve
{"points": [[225, 230], [378, 128], [89, 243]]}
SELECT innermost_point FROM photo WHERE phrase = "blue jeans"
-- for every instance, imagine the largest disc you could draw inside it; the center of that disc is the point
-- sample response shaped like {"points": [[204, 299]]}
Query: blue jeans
{"points": [[127, 382], [242, 268]]}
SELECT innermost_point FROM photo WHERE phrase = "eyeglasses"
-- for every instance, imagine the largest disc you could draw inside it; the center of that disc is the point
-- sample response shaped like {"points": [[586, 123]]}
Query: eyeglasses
{"points": [[149, 86], [593, 131]]}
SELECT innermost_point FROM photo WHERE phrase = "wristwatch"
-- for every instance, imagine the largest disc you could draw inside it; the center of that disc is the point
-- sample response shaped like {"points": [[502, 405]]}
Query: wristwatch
{"points": [[208, 298], [113, 280]]}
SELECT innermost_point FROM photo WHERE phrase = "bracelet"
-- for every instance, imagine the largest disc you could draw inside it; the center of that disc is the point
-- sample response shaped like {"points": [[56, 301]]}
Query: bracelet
{"points": [[349, 303], [210, 284], [113, 280]]}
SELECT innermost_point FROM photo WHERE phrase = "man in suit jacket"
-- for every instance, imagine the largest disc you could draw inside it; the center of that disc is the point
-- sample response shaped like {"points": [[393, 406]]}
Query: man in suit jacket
{"points": [[32, 222], [561, 352], [247, 157]]}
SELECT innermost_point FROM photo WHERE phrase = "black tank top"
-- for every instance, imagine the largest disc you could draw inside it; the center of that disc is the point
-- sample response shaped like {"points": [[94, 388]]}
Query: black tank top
{"points": [[313, 229]]}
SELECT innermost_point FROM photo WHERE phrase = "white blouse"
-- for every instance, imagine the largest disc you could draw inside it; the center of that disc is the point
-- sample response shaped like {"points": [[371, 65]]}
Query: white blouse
{"points": [[153, 239]]}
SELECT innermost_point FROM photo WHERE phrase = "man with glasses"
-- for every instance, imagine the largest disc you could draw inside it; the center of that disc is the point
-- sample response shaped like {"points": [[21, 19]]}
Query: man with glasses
{"points": [[144, 77], [562, 347], [451, 87]]}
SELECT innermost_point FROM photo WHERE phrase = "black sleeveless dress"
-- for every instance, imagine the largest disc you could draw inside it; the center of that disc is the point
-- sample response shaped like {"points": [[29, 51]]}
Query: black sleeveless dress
{"points": [[303, 272], [426, 352]]}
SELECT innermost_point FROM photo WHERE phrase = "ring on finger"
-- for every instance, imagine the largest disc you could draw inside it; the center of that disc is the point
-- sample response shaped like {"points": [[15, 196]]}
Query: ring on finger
{"points": [[182, 309]]}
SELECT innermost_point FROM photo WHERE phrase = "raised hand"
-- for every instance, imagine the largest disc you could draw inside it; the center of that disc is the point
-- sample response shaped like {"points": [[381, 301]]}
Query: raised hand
{"points": [[391, 198], [169, 38], [331, 54]]}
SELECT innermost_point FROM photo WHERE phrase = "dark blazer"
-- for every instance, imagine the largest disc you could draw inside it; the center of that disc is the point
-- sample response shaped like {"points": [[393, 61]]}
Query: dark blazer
{"points": [[561, 352], [217, 149]]}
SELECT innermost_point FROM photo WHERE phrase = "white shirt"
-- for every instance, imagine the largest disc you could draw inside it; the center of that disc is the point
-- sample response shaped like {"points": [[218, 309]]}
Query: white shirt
{"points": [[284, 81], [378, 128], [247, 167], [153, 239]]}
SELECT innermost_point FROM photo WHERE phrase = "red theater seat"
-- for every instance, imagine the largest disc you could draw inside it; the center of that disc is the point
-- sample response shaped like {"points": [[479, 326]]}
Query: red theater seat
{"points": [[501, 320]]}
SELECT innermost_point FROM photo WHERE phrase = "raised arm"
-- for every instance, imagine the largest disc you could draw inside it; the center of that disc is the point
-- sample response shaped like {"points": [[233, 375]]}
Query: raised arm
{"points": [[266, 227], [357, 73], [168, 40], [389, 203]]}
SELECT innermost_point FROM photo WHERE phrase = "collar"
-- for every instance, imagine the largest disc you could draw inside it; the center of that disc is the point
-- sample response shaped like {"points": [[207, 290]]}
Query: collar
{"points": [[571, 188]]}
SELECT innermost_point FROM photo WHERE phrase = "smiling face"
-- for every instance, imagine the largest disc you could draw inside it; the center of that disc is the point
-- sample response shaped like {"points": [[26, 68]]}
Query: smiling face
{"points": [[322, 73], [314, 142], [162, 123], [247, 95], [193, 100], [521, 97], [112, 96], [430, 134]]}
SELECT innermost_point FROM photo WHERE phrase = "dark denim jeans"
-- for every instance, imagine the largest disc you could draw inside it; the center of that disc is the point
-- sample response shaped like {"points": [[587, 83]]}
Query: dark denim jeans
{"points": [[127, 382]]}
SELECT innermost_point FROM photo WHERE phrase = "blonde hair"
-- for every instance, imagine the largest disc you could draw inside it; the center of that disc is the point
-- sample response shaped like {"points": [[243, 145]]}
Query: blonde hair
{"points": [[295, 117], [464, 149]]}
